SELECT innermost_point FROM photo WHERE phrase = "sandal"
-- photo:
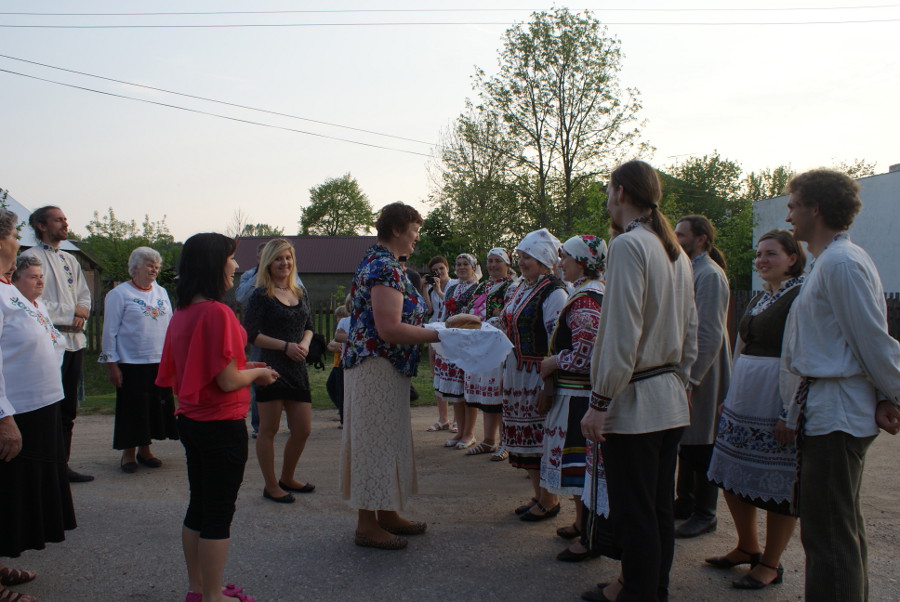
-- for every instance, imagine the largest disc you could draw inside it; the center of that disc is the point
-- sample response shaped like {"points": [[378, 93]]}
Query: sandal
{"points": [[465, 445], [723, 562], [454, 428], [531, 517], [438, 426], [7, 595], [481, 448], [10, 576], [451, 442], [500, 455], [233, 591]]}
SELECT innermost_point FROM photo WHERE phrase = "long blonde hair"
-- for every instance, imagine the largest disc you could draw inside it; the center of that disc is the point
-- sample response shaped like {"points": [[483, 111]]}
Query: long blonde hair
{"points": [[272, 250]]}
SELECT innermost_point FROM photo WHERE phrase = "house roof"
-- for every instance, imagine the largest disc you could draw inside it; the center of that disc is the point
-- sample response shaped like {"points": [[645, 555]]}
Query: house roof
{"points": [[315, 254]]}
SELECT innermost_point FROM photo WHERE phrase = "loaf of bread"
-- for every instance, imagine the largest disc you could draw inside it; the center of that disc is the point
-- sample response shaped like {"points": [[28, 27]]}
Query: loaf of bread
{"points": [[463, 321]]}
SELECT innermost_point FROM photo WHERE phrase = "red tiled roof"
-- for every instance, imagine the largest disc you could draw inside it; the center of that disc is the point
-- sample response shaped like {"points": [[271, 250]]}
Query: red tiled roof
{"points": [[315, 254]]}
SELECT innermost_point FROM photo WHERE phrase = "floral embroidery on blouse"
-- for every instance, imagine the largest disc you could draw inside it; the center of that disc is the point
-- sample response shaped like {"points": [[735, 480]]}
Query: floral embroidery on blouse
{"points": [[582, 316], [41, 319], [487, 300], [460, 297], [380, 267], [769, 297], [70, 278], [150, 310], [637, 222]]}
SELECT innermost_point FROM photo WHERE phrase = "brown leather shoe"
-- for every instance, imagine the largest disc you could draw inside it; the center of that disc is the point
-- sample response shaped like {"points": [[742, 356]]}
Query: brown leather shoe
{"points": [[398, 543]]}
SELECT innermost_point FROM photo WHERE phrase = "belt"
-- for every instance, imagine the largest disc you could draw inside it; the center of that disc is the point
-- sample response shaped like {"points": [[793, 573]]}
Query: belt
{"points": [[651, 372]]}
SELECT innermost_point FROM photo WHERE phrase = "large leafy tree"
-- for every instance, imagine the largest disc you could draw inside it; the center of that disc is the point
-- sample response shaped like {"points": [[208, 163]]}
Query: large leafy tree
{"points": [[111, 240], [261, 230], [337, 207], [565, 116]]}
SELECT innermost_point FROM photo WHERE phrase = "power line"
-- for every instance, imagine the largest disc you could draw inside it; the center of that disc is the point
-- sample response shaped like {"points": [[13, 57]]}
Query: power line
{"points": [[198, 111], [451, 10], [452, 23], [230, 104]]}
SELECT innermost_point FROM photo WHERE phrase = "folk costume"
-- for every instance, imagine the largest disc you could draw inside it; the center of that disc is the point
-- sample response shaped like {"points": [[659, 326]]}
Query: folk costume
{"points": [[529, 318], [748, 461], [449, 380]]}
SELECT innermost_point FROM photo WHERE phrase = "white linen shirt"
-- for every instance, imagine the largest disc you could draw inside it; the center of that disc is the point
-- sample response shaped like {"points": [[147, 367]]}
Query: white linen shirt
{"points": [[648, 320], [32, 352], [134, 324], [837, 333], [65, 287]]}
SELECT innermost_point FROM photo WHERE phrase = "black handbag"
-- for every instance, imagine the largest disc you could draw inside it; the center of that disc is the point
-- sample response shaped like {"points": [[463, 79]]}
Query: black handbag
{"points": [[318, 347]]}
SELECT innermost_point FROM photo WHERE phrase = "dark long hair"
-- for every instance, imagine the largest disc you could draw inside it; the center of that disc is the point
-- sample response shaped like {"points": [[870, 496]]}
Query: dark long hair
{"points": [[700, 225], [641, 182], [201, 267]]}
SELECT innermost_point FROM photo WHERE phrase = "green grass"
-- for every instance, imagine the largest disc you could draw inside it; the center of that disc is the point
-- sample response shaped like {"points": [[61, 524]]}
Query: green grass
{"points": [[100, 395]]}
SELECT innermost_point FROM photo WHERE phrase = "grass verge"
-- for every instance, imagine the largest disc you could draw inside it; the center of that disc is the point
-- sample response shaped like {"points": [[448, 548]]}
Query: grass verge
{"points": [[100, 395]]}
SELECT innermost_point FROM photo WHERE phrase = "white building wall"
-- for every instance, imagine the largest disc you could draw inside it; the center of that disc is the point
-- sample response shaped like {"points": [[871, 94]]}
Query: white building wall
{"points": [[876, 228]]}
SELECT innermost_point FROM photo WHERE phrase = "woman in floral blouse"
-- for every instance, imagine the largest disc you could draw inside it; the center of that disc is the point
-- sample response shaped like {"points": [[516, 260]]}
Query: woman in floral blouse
{"points": [[136, 315], [748, 462], [377, 468]]}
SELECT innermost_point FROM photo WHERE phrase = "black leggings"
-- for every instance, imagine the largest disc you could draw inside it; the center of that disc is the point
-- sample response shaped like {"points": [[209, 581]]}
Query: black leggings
{"points": [[216, 453]]}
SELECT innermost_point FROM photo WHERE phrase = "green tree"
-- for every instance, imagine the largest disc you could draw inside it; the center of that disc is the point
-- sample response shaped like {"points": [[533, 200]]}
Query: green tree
{"points": [[337, 207], [110, 241], [857, 168], [478, 195], [558, 97], [439, 236], [261, 230]]}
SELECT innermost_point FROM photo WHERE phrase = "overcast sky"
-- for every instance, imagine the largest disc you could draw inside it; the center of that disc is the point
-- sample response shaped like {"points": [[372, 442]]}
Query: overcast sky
{"points": [[763, 95]]}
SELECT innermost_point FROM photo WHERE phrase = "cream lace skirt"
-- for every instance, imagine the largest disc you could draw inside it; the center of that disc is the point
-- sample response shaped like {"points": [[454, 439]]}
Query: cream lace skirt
{"points": [[378, 471]]}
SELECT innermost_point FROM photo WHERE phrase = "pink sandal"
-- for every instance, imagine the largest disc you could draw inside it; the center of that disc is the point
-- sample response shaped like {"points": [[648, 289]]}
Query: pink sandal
{"points": [[233, 591]]}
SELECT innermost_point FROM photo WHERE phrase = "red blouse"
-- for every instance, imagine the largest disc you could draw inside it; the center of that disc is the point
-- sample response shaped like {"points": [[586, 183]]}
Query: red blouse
{"points": [[201, 341]]}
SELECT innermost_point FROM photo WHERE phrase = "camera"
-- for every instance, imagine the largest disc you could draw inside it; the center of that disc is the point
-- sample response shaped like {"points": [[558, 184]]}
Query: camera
{"points": [[430, 277]]}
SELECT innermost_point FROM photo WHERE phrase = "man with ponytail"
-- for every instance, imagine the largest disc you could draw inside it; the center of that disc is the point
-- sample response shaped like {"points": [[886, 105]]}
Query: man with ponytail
{"points": [[640, 369], [696, 497]]}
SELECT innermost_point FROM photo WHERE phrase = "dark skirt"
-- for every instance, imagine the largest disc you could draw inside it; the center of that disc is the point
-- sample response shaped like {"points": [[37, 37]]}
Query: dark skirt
{"points": [[275, 392], [36, 504], [143, 411]]}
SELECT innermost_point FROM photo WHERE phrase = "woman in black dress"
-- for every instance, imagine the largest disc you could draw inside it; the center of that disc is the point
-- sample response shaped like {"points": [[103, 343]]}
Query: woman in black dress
{"points": [[278, 321]]}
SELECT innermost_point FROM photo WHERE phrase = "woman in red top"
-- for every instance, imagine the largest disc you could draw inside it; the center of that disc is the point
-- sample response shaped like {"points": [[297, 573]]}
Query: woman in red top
{"points": [[203, 361]]}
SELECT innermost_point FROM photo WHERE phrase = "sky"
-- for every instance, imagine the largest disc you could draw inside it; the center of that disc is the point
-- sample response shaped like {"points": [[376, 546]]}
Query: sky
{"points": [[792, 91]]}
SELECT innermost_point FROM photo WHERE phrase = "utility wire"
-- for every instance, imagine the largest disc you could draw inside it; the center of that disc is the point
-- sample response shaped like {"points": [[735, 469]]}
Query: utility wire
{"points": [[452, 23], [198, 111], [230, 104], [451, 10]]}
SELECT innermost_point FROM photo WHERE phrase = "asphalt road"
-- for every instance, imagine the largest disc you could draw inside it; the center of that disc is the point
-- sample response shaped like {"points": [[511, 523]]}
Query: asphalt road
{"points": [[127, 544]]}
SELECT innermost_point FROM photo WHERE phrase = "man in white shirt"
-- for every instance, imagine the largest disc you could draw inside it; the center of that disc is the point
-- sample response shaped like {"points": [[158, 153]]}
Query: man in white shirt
{"points": [[697, 497], [68, 298], [837, 341]]}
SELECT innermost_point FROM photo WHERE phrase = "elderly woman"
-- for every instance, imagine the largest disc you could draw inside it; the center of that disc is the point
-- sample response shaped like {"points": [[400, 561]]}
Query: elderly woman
{"points": [[449, 380], [136, 315], [382, 354], [279, 322], [639, 375], [583, 259], [36, 506], [483, 390], [528, 319], [203, 361], [756, 470]]}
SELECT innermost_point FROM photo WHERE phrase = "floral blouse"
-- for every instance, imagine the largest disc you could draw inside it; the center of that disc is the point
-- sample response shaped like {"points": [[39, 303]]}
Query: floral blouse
{"points": [[380, 267], [583, 320]]}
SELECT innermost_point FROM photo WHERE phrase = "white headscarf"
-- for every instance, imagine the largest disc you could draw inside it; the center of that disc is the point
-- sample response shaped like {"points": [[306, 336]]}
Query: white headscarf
{"points": [[541, 245]]}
